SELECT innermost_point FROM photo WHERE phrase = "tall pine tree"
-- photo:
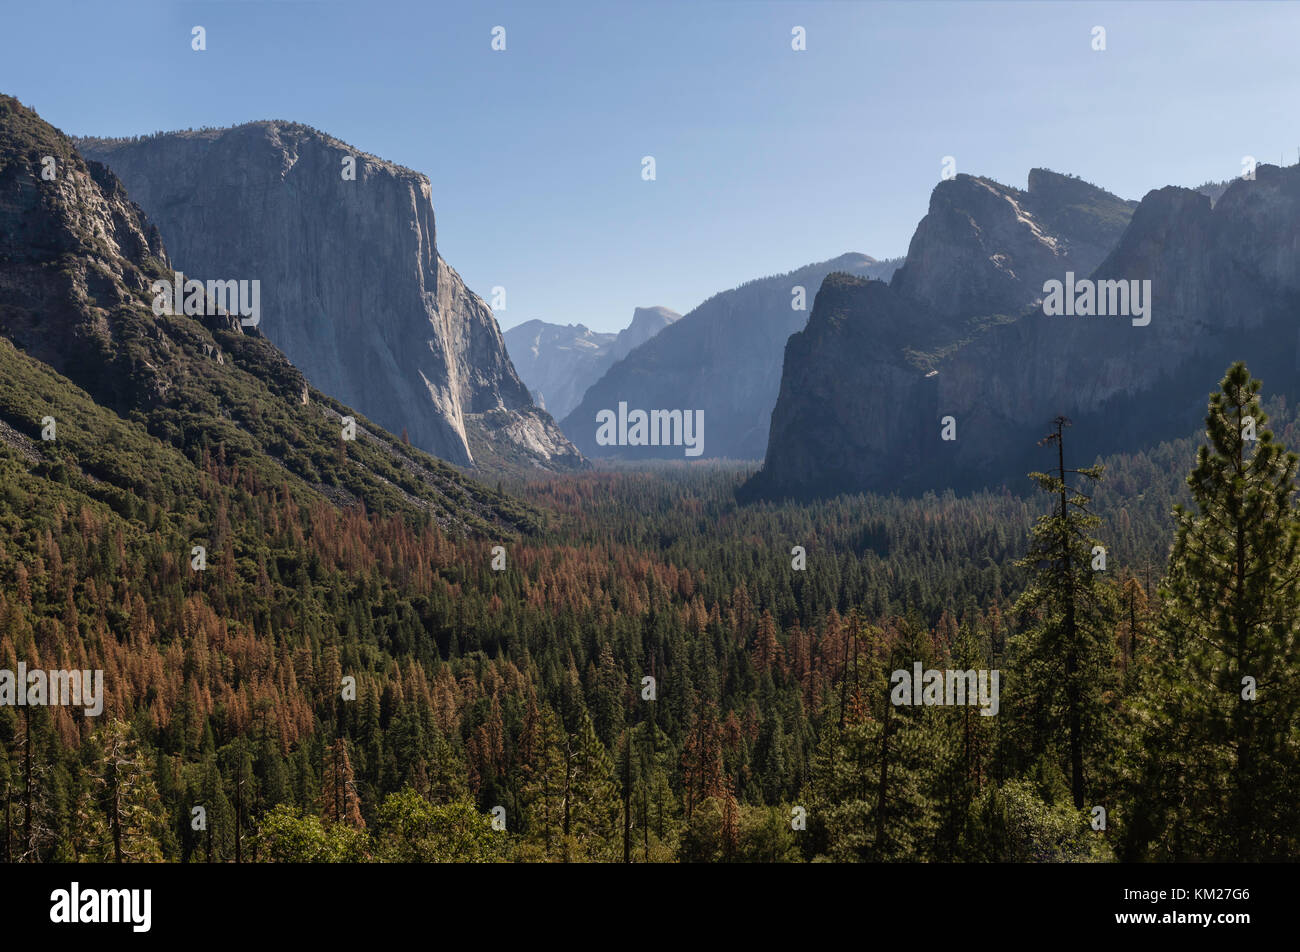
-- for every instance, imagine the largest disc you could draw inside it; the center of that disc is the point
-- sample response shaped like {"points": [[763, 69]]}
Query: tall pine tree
{"points": [[1222, 719], [1063, 658]]}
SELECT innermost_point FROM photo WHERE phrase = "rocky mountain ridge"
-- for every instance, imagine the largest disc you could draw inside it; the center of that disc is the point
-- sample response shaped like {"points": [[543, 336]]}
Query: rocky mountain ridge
{"points": [[862, 401]]}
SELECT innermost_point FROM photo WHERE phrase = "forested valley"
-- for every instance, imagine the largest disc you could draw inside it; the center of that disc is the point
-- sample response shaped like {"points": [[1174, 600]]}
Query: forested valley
{"points": [[648, 671]]}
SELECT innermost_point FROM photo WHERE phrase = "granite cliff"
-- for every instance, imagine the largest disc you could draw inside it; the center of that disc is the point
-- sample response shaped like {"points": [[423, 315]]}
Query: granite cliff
{"points": [[984, 248], [353, 288]]}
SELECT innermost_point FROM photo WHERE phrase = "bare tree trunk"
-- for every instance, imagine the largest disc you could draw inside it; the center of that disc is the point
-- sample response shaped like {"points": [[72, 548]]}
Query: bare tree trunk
{"points": [[627, 796], [117, 816], [27, 781], [239, 810], [1073, 701], [844, 676]]}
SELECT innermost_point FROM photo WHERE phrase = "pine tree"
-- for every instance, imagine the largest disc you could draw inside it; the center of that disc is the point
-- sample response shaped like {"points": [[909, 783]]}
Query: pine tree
{"points": [[544, 775], [1223, 722], [135, 819], [89, 834], [215, 843], [645, 763], [33, 793], [1063, 658], [868, 791], [339, 800], [1133, 631], [964, 745], [590, 793]]}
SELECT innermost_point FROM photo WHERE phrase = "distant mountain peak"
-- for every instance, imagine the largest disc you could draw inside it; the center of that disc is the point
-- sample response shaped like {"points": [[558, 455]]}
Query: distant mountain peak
{"points": [[560, 361], [656, 313], [646, 323]]}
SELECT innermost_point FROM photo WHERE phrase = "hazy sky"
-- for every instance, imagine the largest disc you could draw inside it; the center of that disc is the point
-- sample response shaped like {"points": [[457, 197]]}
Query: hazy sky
{"points": [[767, 158]]}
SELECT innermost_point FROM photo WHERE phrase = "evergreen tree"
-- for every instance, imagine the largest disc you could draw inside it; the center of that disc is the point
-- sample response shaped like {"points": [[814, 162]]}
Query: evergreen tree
{"points": [[591, 795], [868, 795], [544, 773], [1222, 724], [33, 782], [216, 842], [964, 746], [1063, 658]]}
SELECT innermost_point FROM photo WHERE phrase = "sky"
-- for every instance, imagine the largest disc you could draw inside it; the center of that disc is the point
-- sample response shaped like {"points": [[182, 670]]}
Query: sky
{"points": [[766, 158]]}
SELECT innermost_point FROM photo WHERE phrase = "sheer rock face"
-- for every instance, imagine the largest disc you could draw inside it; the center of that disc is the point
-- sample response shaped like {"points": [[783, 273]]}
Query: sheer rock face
{"points": [[353, 289], [559, 362], [723, 358], [866, 385], [849, 398]]}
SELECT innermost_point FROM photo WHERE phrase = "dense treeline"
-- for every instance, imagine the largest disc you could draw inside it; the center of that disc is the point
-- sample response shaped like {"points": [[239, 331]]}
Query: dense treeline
{"points": [[343, 685]]}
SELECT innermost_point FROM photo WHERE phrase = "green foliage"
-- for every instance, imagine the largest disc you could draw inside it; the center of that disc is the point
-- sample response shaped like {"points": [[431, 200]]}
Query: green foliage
{"points": [[288, 836], [414, 830], [523, 688], [1016, 825]]}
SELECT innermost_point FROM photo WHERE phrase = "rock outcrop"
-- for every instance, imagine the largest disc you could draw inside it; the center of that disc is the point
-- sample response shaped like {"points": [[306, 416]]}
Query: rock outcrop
{"points": [[353, 289], [646, 323]]}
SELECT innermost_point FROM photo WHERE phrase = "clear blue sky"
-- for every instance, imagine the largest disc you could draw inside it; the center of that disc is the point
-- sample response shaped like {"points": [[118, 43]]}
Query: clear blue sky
{"points": [[767, 159]]}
